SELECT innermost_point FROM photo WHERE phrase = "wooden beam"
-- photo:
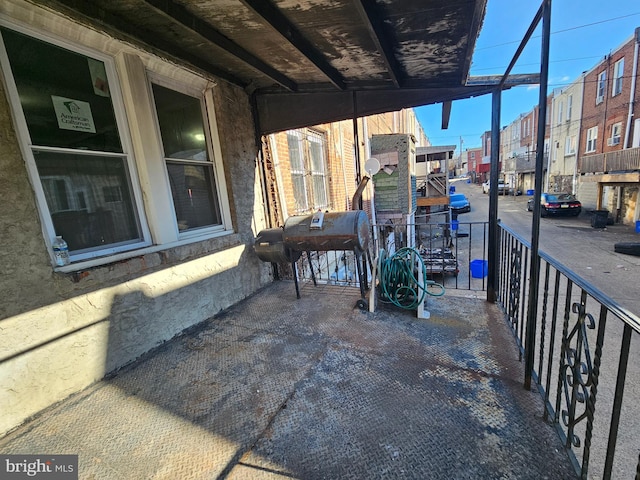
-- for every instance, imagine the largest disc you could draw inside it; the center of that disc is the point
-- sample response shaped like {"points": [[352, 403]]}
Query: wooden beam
{"points": [[180, 14], [432, 201], [274, 17], [375, 26], [446, 114]]}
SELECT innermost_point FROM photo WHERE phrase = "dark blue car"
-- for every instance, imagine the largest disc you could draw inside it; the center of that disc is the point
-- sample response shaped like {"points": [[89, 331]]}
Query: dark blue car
{"points": [[459, 203]]}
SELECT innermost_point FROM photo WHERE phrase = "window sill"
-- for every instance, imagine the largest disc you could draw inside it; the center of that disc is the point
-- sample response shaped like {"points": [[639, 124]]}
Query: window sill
{"points": [[119, 257]]}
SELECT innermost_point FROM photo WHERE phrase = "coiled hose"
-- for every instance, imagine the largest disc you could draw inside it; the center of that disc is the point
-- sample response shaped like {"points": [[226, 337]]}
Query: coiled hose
{"points": [[399, 282]]}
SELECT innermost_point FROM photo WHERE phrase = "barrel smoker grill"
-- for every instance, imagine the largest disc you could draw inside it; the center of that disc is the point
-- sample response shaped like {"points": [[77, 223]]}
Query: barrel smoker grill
{"points": [[339, 231]]}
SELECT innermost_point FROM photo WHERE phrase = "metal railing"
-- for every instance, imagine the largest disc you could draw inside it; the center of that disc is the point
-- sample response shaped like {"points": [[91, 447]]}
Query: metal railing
{"points": [[615, 161], [584, 359], [448, 250]]}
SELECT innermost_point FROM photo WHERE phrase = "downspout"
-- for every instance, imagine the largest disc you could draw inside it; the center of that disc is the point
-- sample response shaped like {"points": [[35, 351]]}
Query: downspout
{"points": [[279, 184], [551, 144], [632, 94], [260, 159], [578, 153], [344, 170]]}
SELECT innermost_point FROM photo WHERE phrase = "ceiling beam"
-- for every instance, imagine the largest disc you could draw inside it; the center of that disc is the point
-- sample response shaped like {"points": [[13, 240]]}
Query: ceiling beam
{"points": [[187, 19], [446, 114], [511, 81], [94, 13], [375, 25], [288, 30]]}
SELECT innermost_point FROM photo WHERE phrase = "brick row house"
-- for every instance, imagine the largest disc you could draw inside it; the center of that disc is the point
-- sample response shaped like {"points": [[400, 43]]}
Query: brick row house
{"points": [[592, 138], [314, 167], [609, 146]]}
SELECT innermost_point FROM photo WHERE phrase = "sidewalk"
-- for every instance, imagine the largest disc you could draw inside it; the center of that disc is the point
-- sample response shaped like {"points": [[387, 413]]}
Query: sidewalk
{"points": [[277, 387]]}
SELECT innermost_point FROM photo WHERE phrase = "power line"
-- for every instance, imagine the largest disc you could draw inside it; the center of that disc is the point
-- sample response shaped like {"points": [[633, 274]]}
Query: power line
{"points": [[562, 31], [538, 63]]}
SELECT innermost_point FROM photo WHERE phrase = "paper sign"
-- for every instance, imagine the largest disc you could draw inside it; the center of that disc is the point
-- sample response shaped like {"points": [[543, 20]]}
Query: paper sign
{"points": [[73, 114]]}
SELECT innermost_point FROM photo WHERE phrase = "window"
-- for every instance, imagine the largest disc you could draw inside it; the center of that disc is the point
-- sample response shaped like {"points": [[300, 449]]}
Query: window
{"points": [[570, 145], [616, 128], [618, 71], [190, 171], [81, 172], [602, 85], [592, 137], [560, 105], [569, 107], [307, 158], [71, 121]]}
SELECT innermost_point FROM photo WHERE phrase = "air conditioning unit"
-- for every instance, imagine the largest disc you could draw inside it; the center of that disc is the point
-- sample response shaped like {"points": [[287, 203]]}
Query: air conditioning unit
{"points": [[613, 141], [599, 99]]}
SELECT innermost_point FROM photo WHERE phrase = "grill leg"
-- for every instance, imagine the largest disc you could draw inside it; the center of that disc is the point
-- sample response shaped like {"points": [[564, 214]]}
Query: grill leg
{"points": [[313, 275], [295, 278]]}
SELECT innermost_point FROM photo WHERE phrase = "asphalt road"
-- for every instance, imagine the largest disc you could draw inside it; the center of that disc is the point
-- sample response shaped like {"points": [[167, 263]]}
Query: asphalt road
{"points": [[587, 251]]}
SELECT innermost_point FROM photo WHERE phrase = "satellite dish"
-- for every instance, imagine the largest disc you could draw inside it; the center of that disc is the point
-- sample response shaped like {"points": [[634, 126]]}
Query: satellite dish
{"points": [[372, 166]]}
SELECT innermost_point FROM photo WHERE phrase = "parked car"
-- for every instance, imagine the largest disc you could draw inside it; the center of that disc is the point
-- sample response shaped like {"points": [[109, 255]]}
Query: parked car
{"points": [[503, 189], [557, 204], [459, 203]]}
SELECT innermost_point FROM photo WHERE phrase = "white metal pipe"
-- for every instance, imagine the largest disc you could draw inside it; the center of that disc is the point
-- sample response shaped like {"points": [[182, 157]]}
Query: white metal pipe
{"points": [[632, 94]]}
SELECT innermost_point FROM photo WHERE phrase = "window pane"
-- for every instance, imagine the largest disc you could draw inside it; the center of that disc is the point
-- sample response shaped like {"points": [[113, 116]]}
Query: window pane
{"points": [[299, 192], [89, 199], [181, 124], [194, 196], [64, 95], [295, 152], [319, 192], [317, 157]]}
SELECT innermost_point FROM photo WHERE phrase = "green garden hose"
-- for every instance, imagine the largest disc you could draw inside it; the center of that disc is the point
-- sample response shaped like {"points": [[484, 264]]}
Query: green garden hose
{"points": [[399, 281]]}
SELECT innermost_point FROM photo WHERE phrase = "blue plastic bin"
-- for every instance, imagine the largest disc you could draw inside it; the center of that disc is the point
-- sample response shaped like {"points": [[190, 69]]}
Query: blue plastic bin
{"points": [[637, 226], [452, 189], [479, 268], [454, 224], [530, 192]]}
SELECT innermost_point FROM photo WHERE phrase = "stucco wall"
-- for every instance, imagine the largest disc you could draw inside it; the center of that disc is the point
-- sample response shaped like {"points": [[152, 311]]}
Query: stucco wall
{"points": [[62, 332]]}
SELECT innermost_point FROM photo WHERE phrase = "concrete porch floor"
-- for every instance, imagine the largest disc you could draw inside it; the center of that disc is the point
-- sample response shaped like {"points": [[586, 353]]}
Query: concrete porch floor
{"points": [[277, 387]]}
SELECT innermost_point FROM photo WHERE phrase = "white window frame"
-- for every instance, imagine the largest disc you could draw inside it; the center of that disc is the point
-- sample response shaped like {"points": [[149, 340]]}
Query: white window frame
{"points": [[213, 150], [306, 136], [601, 86], [592, 138], [28, 150], [569, 107], [570, 145], [616, 133], [127, 69], [618, 76], [560, 107]]}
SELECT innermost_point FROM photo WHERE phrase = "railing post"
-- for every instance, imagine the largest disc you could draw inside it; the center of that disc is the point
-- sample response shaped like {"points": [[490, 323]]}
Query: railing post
{"points": [[494, 247], [534, 276]]}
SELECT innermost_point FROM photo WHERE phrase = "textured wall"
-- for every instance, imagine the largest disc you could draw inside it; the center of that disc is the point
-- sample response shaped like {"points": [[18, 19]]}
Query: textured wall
{"points": [[62, 332]]}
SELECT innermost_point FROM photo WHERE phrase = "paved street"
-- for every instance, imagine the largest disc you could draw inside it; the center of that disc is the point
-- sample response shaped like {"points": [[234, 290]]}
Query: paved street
{"points": [[572, 241]]}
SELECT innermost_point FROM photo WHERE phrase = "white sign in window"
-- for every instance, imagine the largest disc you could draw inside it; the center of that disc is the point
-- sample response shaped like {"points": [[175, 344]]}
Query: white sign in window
{"points": [[73, 114]]}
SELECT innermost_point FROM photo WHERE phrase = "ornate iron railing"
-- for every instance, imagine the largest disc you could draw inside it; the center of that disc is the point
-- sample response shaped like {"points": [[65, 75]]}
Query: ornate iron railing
{"points": [[584, 360]]}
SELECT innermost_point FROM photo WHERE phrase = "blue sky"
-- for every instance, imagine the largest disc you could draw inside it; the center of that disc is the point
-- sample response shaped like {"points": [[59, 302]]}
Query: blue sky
{"points": [[582, 33]]}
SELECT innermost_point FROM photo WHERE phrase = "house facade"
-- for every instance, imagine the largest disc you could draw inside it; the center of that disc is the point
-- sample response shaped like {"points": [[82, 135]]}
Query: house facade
{"points": [[566, 117], [149, 172], [315, 167], [609, 146]]}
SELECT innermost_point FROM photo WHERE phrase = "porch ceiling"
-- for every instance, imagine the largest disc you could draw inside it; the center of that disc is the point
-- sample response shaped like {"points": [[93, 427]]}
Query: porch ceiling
{"points": [[310, 61]]}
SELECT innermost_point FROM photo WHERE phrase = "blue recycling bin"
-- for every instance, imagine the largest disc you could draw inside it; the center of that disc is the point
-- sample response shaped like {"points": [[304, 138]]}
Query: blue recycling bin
{"points": [[452, 189]]}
